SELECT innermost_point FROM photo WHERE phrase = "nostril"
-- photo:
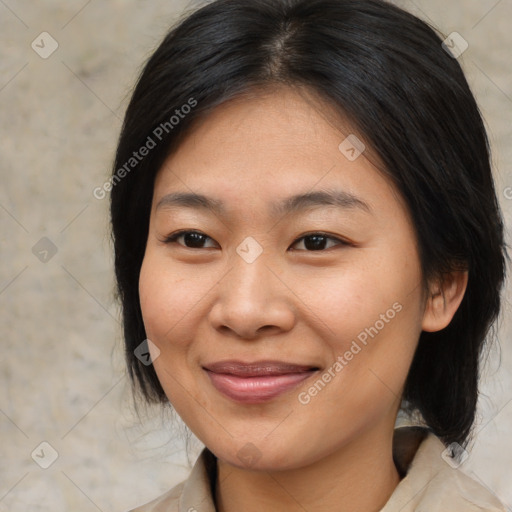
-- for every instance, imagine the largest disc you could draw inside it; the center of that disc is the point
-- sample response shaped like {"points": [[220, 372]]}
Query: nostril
{"points": [[266, 328]]}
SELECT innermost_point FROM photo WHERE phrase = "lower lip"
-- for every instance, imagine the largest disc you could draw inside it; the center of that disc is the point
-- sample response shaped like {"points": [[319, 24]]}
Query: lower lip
{"points": [[256, 390]]}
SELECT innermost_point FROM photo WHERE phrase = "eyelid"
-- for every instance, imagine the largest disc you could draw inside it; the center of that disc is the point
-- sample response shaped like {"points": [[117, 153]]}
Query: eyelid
{"points": [[174, 236], [338, 239]]}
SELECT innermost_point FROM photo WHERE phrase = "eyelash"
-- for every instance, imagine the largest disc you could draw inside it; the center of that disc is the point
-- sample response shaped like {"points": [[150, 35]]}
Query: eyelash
{"points": [[174, 237]]}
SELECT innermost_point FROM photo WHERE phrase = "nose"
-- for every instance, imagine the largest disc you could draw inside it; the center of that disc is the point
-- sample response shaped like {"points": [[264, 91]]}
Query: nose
{"points": [[252, 302]]}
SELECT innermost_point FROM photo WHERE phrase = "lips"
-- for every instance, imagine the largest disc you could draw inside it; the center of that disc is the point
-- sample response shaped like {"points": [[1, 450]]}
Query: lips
{"points": [[256, 382]]}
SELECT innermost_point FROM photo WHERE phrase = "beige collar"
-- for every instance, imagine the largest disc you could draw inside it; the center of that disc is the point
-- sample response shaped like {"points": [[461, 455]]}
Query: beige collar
{"points": [[431, 482]]}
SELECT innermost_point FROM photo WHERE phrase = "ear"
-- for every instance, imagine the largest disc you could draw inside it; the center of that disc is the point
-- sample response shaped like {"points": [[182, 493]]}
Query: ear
{"points": [[443, 300]]}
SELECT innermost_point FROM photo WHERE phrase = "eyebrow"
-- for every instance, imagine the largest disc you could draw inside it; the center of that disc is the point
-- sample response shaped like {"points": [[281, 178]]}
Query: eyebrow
{"points": [[296, 203], [190, 200], [338, 198]]}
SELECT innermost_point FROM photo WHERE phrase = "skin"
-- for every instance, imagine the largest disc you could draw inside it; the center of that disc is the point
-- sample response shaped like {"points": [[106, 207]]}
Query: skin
{"points": [[302, 306]]}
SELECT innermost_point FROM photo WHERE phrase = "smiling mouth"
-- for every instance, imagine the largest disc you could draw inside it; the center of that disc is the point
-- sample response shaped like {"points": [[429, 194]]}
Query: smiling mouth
{"points": [[256, 382]]}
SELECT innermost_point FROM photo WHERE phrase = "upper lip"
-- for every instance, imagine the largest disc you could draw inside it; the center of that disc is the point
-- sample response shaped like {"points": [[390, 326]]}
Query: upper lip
{"points": [[257, 368]]}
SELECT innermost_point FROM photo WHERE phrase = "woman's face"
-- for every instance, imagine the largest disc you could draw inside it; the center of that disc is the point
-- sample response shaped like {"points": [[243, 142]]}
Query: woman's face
{"points": [[287, 320]]}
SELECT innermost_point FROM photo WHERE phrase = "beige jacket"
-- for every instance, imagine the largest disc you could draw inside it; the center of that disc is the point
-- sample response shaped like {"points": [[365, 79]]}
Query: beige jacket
{"points": [[430, 482]]}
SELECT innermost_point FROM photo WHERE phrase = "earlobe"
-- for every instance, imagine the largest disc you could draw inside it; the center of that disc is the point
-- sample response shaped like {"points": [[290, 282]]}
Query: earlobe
{"points": [[444, 299]]}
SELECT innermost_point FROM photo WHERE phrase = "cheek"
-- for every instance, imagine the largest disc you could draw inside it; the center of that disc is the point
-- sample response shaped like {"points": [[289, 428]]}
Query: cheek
{"points": [[169, 300], [165, 297], [369, 313], [350, 297]]}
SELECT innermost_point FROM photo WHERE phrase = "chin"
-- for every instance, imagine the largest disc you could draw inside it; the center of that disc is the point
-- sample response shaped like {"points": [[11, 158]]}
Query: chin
{"points": [[257, 457]]}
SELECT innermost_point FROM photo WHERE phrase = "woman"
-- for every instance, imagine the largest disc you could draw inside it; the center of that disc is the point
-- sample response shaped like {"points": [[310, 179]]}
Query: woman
{"points": [[308, 242]]}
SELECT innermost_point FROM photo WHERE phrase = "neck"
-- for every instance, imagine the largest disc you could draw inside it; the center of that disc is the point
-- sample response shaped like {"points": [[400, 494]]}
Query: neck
{"points": [[359, 476]]}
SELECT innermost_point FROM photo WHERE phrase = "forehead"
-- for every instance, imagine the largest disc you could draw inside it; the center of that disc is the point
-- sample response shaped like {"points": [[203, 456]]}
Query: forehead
{"points": [[260, 147]]}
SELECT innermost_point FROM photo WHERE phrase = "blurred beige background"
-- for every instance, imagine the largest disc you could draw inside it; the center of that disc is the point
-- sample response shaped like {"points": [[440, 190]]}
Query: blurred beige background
{"points": [[63, 380]]}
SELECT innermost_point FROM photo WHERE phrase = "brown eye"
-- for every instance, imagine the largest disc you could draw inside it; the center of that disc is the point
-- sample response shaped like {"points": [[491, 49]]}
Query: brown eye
{"points": [[316, 242], [192, 240]]}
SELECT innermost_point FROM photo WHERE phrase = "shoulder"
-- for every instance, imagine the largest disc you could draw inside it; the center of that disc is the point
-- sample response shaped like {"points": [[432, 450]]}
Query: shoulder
{"points": [[168, 502], [434, 481]]}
